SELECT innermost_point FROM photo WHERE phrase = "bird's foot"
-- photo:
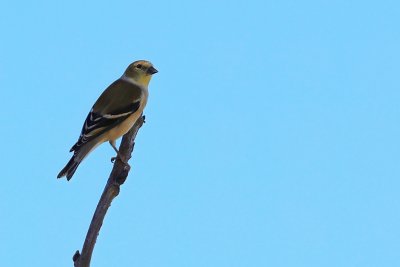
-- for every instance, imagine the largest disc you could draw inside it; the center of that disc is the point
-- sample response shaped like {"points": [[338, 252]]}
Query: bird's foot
{"points": [[113, 159]]}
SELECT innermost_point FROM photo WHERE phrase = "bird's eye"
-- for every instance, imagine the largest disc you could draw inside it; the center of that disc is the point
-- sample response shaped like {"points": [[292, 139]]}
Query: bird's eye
{"points": [[139, 66]]}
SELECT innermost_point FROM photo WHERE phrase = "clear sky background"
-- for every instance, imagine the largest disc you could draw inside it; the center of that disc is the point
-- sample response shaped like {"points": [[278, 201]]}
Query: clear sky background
{"points": [[272, 134]]}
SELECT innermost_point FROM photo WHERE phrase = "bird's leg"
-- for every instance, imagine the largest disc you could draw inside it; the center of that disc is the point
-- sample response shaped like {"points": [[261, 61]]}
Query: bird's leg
{"points": [[112, 143]]}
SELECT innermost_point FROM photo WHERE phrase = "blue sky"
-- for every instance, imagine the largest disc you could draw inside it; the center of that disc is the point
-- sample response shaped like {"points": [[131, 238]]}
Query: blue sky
{"points": [[272, 134]]}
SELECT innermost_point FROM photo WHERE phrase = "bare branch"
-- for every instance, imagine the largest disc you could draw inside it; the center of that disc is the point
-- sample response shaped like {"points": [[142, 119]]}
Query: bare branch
{"points": [[117, 177]]}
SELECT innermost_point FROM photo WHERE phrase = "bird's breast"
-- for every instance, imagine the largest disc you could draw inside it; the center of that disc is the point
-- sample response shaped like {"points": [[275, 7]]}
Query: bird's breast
{"points": [[127, 124]]}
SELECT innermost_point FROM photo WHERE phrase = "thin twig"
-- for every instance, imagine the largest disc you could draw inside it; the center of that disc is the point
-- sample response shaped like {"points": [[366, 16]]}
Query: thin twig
{"points": [[117, 177]]}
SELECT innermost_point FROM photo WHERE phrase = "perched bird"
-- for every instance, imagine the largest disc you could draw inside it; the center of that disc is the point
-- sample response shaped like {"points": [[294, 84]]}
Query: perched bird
{"points": [[114, 113]]}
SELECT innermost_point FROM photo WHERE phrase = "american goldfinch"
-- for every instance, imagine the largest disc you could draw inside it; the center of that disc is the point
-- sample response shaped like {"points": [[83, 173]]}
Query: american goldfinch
{"points": [[114, 113]]}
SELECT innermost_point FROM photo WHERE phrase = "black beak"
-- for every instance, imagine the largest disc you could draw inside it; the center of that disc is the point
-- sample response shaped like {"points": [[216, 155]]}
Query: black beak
{"points": [[151, 70]]}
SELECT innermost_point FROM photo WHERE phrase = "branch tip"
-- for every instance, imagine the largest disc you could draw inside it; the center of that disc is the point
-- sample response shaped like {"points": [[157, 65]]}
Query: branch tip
{"points": [[76, 256]]}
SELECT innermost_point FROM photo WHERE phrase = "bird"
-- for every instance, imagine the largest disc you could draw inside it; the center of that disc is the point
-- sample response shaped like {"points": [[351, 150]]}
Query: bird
{"points": [[113, 114]]}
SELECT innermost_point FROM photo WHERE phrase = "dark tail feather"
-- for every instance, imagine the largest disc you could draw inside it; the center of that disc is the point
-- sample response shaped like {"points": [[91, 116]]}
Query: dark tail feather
{"points": [[70, 168]]}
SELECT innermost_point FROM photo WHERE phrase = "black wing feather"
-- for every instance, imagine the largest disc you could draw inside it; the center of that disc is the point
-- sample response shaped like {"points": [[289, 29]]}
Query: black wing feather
{"points": [[96, 124]]}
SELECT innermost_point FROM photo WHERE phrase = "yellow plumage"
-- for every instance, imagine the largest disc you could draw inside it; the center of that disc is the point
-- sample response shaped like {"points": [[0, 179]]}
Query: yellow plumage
{"points": [[113, 114]]}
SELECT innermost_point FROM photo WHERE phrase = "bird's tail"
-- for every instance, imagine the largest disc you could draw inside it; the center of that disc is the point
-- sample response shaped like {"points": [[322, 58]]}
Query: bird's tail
{"points": [[70, 168], [77, 158]]}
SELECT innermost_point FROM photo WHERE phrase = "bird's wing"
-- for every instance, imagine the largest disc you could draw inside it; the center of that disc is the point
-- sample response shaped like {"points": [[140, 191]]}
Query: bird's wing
{"points": [[118, 102]]}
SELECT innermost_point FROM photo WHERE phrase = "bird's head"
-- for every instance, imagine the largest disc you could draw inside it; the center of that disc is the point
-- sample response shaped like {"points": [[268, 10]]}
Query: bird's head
{"points": [[140, 71]]}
